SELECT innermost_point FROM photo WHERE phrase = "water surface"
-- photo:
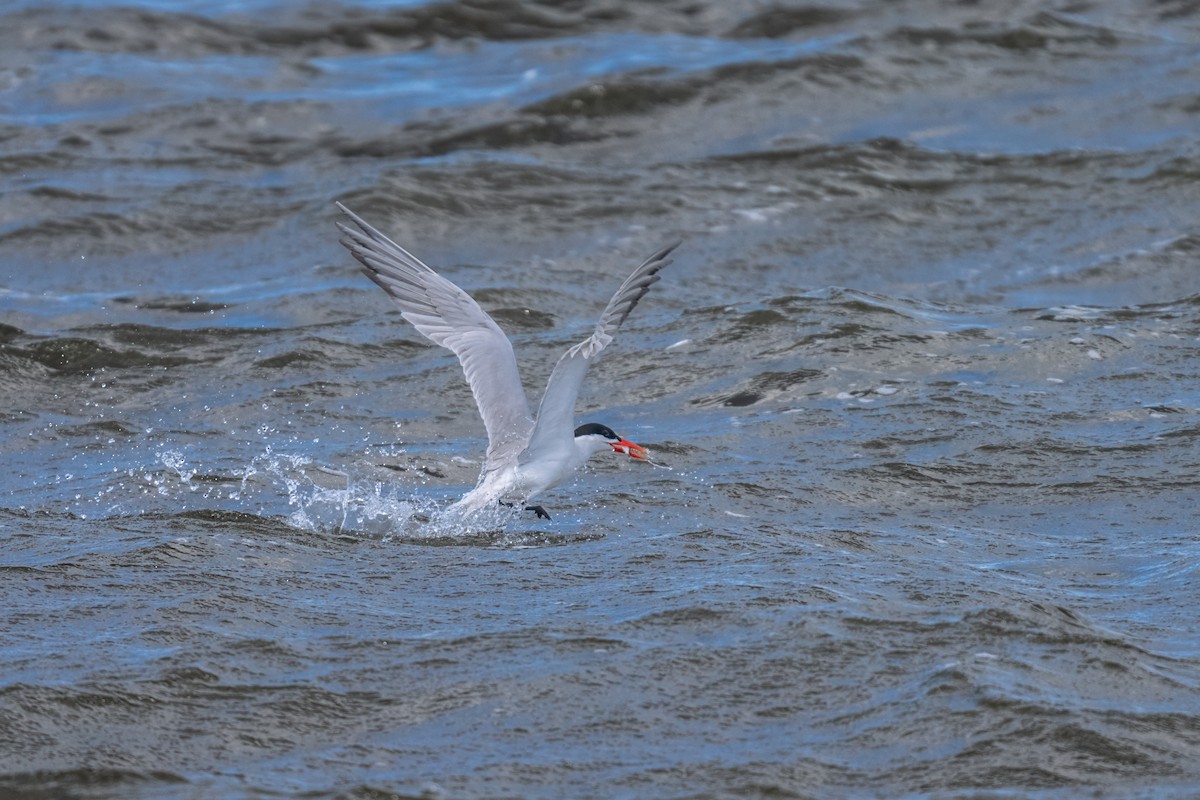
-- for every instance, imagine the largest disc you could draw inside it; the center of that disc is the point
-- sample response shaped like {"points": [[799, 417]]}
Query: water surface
{"points": [[922, 380]]}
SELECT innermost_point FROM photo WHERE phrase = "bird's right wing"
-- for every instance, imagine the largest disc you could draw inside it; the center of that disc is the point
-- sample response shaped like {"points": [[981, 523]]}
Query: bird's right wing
{"points": [[554, 431], [448, 316]]}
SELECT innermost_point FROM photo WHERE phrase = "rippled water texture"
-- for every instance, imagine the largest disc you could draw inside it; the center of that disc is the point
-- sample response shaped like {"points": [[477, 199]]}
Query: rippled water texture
{"points": [[922, 384]]}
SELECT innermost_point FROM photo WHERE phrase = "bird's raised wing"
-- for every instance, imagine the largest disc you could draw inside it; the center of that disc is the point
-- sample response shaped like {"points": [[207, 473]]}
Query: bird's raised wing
{"points": [[554, 430], [448, 316]]}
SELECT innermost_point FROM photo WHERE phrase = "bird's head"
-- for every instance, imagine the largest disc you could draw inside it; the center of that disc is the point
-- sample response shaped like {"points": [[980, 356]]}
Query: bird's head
{"points": [[595, 436]]}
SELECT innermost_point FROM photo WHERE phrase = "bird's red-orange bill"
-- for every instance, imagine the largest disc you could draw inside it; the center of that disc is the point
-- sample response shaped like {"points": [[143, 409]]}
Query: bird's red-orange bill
{"points": [[630, 449]]}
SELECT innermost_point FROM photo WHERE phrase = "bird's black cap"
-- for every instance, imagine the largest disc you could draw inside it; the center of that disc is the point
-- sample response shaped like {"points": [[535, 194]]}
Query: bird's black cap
{"points": [[596, 428]]}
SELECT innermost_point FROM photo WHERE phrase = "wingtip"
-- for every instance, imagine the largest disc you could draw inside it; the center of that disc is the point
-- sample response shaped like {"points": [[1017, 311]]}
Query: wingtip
{"points": [[342, 207], [351, 239], [365, 229], [661, 256]]}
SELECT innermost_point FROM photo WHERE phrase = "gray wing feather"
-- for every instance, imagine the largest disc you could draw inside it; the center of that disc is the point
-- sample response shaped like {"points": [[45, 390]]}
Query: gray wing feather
{"points": [[555, 426], [448, 316]]}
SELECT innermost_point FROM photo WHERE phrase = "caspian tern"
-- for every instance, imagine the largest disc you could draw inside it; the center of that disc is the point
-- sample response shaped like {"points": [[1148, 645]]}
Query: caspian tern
{"points": [[525, 456]]}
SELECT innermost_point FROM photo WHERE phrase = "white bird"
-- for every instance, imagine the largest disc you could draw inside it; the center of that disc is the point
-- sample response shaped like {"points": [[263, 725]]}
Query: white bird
{"points": [[525, 456]]}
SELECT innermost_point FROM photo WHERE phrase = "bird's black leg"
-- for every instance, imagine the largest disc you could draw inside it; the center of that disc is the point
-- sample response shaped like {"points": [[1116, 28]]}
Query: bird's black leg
{"points": [[537, 510]]}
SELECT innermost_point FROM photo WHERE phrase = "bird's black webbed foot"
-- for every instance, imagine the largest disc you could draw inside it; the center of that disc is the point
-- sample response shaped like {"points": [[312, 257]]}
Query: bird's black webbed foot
{"points": [[537, 510]]}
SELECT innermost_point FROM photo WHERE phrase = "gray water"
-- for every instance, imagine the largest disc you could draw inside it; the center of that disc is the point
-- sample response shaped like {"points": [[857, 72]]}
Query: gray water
{"points": [[922, 383]]}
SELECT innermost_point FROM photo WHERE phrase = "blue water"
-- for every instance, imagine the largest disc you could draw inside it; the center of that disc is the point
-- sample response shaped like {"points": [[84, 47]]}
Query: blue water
{"points": [[920, 388]]}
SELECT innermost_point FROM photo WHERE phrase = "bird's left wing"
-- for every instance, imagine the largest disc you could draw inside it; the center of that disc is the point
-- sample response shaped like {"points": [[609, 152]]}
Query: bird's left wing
{"points": [[554, 429], [448, 316]]}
